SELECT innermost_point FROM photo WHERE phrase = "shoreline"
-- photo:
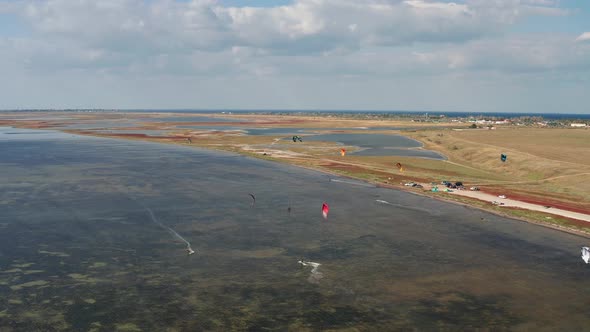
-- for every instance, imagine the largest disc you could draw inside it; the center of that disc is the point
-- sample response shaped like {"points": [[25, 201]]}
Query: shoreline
{"points": [[568, 230], [180, 140]]}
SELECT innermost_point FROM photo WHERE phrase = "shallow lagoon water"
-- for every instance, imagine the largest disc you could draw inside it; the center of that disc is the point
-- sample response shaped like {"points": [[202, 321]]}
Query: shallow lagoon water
{"points": [[420, 153], [368, 140], [78, 250], [298, 131], [148, 132], [251, 131], [379, 145], [191, 119], [266, 131]]}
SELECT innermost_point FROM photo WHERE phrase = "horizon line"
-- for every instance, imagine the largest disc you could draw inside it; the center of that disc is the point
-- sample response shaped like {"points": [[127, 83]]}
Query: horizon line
{"points": [[277, 110]]}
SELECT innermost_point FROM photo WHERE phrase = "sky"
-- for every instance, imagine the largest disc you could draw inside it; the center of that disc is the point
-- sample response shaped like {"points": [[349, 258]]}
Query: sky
{"points": [[413, 55]]}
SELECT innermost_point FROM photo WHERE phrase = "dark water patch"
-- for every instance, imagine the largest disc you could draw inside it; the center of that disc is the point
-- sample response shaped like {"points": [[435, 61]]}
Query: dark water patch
{"points": [[464, 311], [9, 134], [332, 251], [342, 317]]}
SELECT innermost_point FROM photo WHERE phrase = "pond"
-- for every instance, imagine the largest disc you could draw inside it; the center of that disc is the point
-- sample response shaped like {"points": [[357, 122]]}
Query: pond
{"points": [[379, 145]]}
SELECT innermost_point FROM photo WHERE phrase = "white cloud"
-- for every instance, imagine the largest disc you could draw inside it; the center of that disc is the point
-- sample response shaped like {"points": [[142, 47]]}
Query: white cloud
{"points": [[533, 55], [304, 26], [583, 37], [9, 7], [114, 33], [525, 55], [305, 41]]}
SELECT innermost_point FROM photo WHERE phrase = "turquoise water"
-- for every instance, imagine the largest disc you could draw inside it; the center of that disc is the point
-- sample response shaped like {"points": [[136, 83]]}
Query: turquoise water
{"points": [[78, 249]]}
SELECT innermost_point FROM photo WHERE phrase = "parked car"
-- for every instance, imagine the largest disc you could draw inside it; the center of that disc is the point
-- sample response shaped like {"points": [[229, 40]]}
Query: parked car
{"points": [[474, 188], [502, 196]]}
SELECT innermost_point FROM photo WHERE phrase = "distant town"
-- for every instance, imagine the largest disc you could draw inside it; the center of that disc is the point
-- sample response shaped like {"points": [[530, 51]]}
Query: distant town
{"points": [[482, 121]]}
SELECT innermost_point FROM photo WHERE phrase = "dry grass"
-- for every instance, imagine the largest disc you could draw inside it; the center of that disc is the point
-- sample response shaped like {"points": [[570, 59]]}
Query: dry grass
{"points": [[562, 145], [541, 162]]}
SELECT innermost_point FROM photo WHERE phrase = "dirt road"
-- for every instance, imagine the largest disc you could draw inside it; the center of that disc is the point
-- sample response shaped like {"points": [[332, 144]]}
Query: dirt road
{"points": [[518, 204]]}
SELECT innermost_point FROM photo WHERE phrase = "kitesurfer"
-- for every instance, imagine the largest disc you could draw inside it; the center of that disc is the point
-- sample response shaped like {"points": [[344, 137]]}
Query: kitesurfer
{"points": [[586, 255], [325, 210]]}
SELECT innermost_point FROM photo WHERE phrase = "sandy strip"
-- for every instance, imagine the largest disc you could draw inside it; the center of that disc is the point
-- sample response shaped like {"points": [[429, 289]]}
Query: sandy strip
{"points": [[523, 205]]}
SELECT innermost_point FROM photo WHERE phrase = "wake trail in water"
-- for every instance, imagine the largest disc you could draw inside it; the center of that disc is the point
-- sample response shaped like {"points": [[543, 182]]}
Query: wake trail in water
{"points": [[169, 230], [315, 275]]}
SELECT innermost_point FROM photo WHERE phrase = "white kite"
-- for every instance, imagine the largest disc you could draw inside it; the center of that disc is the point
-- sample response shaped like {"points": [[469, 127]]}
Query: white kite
{"points": [[315, 275], [586, 254]]}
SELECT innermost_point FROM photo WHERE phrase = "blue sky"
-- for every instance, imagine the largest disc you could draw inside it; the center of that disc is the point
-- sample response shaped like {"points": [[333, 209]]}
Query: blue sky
{"points": [[469, 55]]}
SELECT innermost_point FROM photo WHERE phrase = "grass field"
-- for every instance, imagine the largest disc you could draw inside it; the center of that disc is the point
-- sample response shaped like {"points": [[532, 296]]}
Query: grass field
{"points": [[553, 163]]}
